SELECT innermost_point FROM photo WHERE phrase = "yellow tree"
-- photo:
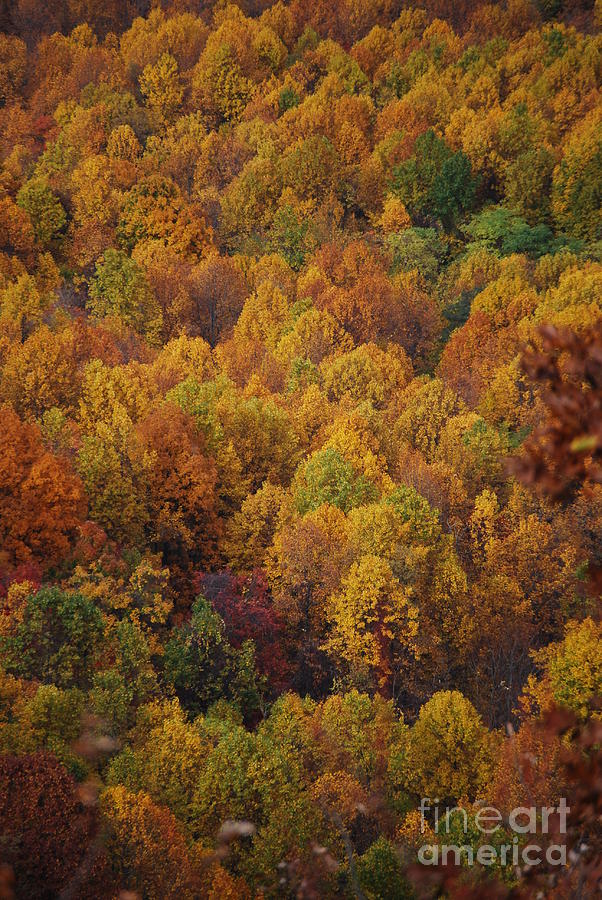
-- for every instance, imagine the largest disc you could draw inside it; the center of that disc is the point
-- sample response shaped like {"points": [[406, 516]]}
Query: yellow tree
{"points": [[251, 529], [304, 567], [13, 68], [448, 753], [160, 86], [42, 373], [576, 188], [112, 467], [148, 846], [373, 624], [571, 671]]}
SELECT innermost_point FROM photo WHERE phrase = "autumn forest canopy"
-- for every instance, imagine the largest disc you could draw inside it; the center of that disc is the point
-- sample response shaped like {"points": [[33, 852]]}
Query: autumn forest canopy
{"points": [[300, 443]]}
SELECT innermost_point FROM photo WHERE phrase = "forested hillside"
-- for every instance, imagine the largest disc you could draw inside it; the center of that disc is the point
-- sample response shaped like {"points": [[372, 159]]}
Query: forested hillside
{"points": [[300, 442]]}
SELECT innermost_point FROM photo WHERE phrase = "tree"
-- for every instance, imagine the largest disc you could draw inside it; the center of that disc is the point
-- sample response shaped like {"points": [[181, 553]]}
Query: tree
{"points": [[395, 217], [381, 874], [417, 249], [42, 501], [48, 833], [24, 305], [428, 405], [357, 733], [571, 674], [155, 209], [251, 530], [448, 753], [288, 236], [246, 607], [45, 211], [340, 796], [474, 449], [120, 289], [202, 666], [264, 438], [55, 715], [401, 529], [527, 185], [454, 189], [111, 465], [169, 278], [123, 143], [181, 500], [160, 86], [312, 169], [435, 181], [148, 846], [576, 199], [42, 377], [472, 355], [543, 564], [126, 586], [17, 236], [219, 290], [372, 624], [119, 690], [183, 35], [180, 360], [220, 86], [495, 640], [498, 228], [225, 791], [328, 478], [418, 319], [367, 373], [529, 768], [56, 638], [13, 68], [304, 568], [97, 183], [164, 758], [352, 284], [419, 517]]}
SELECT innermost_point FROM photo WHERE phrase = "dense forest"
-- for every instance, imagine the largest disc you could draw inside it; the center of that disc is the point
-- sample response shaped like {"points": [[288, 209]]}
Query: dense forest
{"points": [[300, 445]]}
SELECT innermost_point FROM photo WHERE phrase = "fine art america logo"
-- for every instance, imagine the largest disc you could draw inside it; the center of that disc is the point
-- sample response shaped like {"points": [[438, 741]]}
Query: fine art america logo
{"points": [[519, 848]]}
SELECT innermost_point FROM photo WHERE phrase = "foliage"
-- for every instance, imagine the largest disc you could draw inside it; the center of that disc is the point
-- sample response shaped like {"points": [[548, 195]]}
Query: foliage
{"points": [[203, 666], [42, 501], [435, 181], [45, 850], [328, 478], [448, 730], [120, 289], [300, 491], [44, 209], [56, 638]]}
